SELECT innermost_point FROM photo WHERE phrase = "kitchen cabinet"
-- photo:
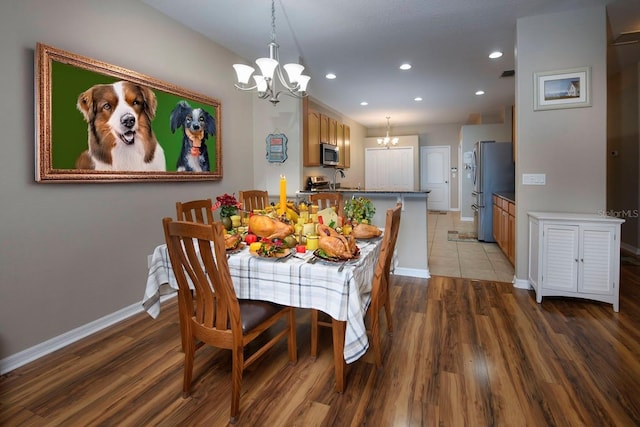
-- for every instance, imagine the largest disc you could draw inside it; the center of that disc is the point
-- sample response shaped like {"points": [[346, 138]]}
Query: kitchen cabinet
{"points": [[575, 255], [504, 226], [311, 148], [340, 143], [333, 131], [320, 128], [347, 146]]}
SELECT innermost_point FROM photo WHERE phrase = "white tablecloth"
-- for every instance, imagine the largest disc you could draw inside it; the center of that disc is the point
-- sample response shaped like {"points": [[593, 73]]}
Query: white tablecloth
{"points": [[343, 295]]}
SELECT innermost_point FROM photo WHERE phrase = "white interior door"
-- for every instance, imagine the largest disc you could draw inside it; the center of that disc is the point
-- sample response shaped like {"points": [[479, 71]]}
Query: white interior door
{"points": [[434, 175]]}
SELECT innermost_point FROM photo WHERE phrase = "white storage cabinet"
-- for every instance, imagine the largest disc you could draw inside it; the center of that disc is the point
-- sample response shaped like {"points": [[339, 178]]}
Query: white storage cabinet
{"points": [[575, 255]]}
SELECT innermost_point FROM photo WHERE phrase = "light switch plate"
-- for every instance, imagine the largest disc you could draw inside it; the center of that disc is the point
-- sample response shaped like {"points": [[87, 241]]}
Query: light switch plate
{"points": [[534, 179]]}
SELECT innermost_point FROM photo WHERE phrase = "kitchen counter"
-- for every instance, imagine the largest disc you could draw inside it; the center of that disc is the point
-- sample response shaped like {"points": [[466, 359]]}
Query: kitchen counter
{"points": [[363, 191], [511, 197], [412, 247]]}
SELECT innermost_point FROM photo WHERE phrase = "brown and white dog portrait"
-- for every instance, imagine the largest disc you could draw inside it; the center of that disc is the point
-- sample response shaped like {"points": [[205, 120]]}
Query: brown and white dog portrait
{"points": [[119, 119]]}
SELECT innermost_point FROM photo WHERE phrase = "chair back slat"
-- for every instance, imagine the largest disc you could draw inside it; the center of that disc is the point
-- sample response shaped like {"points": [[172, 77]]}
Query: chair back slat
{"points": [[326, 200], [194, 260], [380, 286], [195, 211], [253, 200]]}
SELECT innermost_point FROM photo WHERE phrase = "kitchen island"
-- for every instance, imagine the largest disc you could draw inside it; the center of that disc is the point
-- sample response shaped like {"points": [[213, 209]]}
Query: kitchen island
{"points": [[411, 249]]}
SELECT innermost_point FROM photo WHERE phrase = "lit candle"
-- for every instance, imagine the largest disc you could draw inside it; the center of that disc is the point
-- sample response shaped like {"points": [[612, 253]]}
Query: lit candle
{"points": [[283, 194]]}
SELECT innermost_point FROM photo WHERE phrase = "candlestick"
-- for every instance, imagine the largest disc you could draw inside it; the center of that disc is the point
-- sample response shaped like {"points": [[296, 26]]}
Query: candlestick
{"points": [[283, 195]]}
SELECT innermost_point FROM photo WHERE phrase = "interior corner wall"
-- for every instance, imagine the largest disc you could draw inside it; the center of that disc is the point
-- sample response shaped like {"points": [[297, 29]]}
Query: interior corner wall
{"points": [[567, 145], [74, 253], [284, 118], [623, 153]]}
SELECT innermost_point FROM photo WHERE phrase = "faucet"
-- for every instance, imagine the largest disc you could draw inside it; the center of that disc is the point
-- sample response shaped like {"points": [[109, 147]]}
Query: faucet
{"points": [[335, 174]]}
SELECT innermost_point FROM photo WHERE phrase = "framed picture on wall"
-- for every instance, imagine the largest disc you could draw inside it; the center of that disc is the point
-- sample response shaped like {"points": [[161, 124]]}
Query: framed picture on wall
{"points": [[97, 122], [562, 89]]}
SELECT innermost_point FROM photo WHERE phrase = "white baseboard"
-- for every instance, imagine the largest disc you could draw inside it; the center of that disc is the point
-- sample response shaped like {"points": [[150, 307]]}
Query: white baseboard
{"points": [[39, 350], [630, 249], [412, 272], [466, 218], [521, 283]]}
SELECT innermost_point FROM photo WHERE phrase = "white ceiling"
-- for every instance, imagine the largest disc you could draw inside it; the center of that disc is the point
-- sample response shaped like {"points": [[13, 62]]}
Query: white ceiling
{"points": [[364, 42]]}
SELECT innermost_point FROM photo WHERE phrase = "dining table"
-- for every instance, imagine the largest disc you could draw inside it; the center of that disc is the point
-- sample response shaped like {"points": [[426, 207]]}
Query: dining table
{"points": [[340, 289]]}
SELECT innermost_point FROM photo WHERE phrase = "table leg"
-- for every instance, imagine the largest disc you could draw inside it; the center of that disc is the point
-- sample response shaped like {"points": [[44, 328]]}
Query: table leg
{"points": [[338, 327]]}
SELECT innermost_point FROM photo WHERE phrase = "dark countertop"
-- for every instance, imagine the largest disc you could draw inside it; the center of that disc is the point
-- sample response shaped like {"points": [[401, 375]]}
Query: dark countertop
{"points": [[361, 191], [507, 196]]}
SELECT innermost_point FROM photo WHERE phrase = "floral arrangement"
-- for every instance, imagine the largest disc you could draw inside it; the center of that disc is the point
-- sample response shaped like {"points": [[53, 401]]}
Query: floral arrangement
{"points": [[357, 209], [228, 205]]}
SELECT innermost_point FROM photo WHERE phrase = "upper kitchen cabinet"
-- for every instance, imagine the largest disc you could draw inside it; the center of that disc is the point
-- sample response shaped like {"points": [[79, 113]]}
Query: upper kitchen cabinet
{"points": [[340, 143], [333, 132], [320, 128], [345, 154], [311, 147]]}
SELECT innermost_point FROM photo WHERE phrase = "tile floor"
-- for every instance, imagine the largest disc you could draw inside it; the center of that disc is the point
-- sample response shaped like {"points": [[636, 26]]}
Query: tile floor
{"points": [[473, 260]]}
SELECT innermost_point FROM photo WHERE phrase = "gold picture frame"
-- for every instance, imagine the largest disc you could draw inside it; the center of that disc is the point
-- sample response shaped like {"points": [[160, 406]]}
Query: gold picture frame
{"points": [[69, 138]]}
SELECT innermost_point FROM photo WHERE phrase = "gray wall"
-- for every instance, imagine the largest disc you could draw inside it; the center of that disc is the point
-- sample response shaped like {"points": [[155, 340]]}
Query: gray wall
{"points": [[72, 253], [623, 153], [567, 145]]}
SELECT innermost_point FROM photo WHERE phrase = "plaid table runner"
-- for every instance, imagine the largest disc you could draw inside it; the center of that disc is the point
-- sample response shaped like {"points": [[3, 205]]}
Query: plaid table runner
{"points": [[344, 295]]}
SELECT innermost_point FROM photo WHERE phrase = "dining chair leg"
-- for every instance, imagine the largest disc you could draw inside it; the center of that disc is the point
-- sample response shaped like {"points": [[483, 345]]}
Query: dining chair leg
{"points": [[291, 340], [339, 327], [375, 338], [387, 312], [189, 351], [236, 382], [183, 310], [314, 333]]}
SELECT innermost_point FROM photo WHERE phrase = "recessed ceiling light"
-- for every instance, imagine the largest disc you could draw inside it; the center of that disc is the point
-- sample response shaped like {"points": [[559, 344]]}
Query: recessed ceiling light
{"points": [[330, 76], [405, 67], [480, 92], [495, 55], [364, 103], [417, 99]]}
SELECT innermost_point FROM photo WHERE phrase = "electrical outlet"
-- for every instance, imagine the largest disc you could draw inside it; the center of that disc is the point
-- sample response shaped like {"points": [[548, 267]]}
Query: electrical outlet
{"points": [[534, 179]]}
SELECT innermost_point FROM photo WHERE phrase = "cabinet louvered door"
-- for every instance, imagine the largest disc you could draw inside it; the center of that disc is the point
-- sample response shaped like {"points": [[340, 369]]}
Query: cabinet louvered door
{"points": [[595, 266], [560, 270]]}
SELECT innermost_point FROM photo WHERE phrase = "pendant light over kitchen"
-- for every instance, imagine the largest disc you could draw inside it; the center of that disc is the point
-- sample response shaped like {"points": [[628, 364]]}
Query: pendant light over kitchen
{"points": [[387, 139], [265, 83]]}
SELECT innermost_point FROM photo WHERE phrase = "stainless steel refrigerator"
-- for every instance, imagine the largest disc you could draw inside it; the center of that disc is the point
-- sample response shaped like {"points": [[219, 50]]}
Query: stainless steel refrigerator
{"points": [[493, 170]]}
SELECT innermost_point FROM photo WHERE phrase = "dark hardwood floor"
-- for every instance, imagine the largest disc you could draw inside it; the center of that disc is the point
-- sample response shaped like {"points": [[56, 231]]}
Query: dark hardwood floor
{"points": [[463, 353]]}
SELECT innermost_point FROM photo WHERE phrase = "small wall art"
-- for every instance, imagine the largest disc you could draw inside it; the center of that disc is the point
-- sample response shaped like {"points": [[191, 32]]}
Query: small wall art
{"points": [[568, 88]]}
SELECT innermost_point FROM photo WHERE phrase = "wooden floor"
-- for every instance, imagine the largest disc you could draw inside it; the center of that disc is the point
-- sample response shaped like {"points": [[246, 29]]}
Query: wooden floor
{"points": [[464, 353]]}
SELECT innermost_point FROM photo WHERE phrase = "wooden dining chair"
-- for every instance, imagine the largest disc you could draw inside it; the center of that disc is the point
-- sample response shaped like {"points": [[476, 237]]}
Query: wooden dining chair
{"points": [[379, 289], [253, 199], [218, 318], [195, 211], [326, 200]]}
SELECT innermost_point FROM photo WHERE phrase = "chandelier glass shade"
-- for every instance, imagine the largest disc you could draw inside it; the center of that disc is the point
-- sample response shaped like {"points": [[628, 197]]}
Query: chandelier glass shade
{"points": [[270, 70], [387, 140]]}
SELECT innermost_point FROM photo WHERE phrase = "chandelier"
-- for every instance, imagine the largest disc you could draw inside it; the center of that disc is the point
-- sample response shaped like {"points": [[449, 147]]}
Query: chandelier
{"points": [[265, 82], [388, 140]]}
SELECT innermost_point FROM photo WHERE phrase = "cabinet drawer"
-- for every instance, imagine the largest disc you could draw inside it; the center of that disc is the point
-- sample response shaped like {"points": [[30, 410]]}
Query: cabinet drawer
{"points": [[504, 204], [496, 200], [512, 209]]}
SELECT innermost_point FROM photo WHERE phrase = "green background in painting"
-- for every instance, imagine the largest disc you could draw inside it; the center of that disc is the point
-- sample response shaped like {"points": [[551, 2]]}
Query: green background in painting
{"points": [[69, 129]]}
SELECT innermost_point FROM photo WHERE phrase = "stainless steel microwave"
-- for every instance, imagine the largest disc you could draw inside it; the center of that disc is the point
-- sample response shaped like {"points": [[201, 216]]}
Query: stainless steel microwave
{"points": [[329, 154]]}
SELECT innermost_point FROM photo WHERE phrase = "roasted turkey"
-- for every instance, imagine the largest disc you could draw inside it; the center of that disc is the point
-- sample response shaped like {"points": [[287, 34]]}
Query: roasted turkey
{"points": [[365, 231], [231, 241], [270, 228], [335, 244]]}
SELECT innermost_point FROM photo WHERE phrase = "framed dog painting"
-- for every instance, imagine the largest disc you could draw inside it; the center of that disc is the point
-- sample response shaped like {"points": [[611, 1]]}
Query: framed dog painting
{"points": [[98, 122]]}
